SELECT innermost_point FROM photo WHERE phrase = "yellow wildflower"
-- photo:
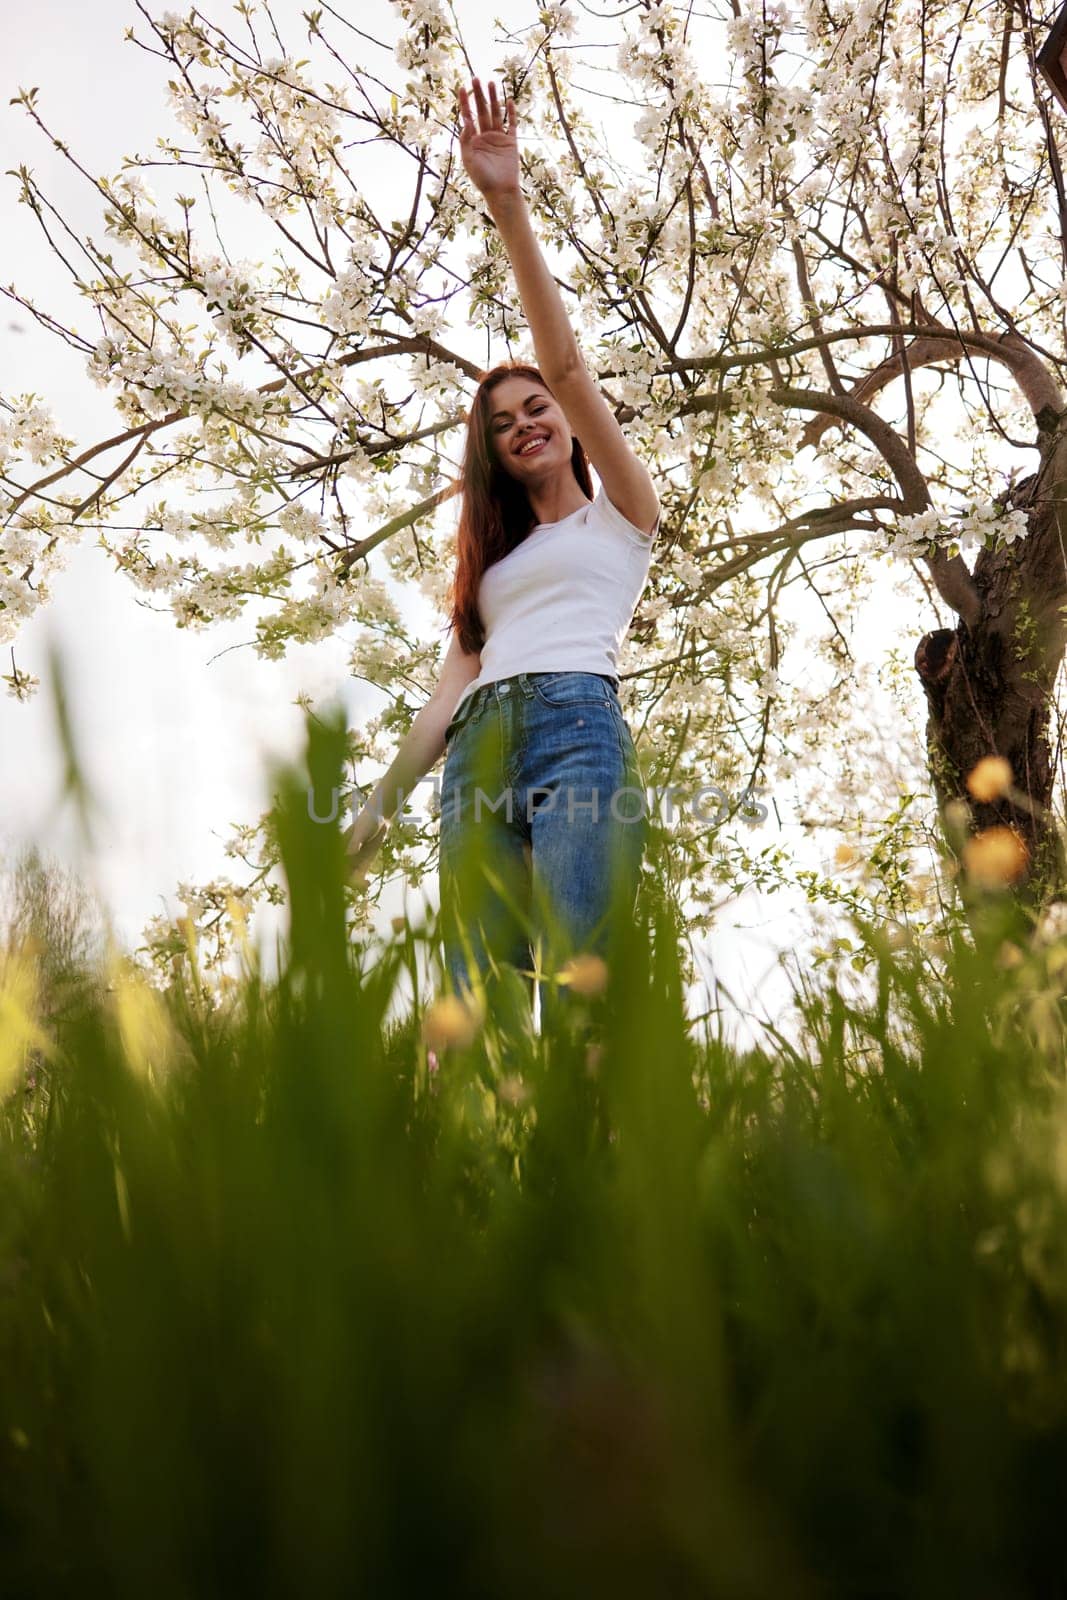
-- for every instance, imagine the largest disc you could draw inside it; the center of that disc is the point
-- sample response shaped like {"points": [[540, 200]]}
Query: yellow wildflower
{"points": [[586, 974], [995, 857], [449, 1021], [990, 779]]}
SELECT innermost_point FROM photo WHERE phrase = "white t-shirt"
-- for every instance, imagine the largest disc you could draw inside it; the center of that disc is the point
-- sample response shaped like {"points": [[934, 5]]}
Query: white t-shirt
{"points": [[563, 599]]}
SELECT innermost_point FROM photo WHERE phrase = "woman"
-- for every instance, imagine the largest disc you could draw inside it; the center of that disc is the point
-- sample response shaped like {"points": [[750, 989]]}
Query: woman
{"points": [[547, 581]]}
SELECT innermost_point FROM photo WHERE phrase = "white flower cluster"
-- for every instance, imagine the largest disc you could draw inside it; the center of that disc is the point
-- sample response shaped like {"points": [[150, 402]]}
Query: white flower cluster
{"points": [[166, 939], [16, 604], [436, 584], [347, 306], [431, 55], [988, 525], [425, 14], [153, 576], [301, 522], [21, 685], [19, 547], [556, 18], [664, 68], [716, 480], [434, 380], [686, 569], [176, 523], [375, 600], [374, 657], [219, 527], [635, 368], [307, 126], [193, 111], [429, 319], [232, 296], [208, 600], [35, 544], [185, 39], [302, 621], [983, 526], [135, 210], [28, 430], [153, 382]]}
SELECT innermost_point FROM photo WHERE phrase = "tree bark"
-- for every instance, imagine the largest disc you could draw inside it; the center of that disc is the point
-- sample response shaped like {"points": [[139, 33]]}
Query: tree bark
{"points": [[989, 681]]}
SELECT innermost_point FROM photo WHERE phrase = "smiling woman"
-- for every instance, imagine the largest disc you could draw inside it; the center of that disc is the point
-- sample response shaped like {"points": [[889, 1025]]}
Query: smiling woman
{"points": [[547, 581], [547, 577], [507, 493]]}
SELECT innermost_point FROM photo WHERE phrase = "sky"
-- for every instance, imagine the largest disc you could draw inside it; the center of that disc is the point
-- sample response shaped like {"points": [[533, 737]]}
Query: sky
{"points": [[175, 729]]}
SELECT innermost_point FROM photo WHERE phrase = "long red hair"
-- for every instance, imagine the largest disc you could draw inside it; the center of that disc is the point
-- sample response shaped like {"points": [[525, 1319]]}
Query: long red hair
{"points": [[496, 514]]}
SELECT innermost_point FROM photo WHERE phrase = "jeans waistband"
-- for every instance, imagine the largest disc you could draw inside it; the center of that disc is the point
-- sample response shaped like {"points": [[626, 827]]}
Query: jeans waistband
{"points": [[521, 681]]}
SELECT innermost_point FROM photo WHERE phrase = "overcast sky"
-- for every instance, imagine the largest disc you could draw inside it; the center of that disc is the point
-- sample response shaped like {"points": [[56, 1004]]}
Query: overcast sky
{"points": [[173, 726]]}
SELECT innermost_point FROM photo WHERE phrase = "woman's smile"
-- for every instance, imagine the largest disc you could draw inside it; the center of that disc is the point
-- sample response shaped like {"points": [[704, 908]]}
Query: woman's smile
{"points": [[533, 445]]}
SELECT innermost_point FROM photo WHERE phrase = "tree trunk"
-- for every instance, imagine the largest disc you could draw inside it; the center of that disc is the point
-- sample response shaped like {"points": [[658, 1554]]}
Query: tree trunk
{"points": [[989, 685]]}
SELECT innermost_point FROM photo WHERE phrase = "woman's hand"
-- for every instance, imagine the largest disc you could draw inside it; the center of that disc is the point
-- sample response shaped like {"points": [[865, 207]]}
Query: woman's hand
{"points": [[490, 152], [362, 842]]}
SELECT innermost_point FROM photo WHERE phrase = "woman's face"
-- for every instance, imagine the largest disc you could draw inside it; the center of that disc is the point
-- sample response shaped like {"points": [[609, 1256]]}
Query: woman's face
{"points": [[530, 435]]}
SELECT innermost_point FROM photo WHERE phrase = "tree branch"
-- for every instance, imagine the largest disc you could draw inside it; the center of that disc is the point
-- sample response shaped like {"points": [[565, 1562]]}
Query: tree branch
{"points": [[417, 343], [951, 576], [386, 531]]}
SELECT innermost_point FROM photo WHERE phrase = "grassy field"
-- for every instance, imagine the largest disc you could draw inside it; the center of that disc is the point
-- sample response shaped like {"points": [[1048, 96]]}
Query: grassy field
{"points": [[297, 1301]]}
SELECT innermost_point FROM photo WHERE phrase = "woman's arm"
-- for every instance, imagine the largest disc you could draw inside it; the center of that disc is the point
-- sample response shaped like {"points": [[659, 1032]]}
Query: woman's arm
{"points": [[419, 750], [491, 158]]}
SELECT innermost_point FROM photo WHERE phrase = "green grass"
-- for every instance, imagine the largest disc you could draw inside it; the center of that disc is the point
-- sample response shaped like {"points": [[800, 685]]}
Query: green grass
{"points": [[284, 1311]]}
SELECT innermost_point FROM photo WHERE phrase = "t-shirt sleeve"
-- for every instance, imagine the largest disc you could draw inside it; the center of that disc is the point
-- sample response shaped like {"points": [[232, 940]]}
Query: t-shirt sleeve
{"points": [[615, 519]]}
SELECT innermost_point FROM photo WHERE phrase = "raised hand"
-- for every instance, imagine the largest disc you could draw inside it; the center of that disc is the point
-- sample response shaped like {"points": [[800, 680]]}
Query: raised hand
{"points": [[490, 151]]}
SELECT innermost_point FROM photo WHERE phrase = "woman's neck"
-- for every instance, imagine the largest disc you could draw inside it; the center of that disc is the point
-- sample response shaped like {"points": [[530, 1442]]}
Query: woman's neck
{"points": [[551, 502]]}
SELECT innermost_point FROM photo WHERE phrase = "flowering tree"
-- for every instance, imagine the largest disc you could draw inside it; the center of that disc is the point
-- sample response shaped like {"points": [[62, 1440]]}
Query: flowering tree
{"points": [[823, 280]]}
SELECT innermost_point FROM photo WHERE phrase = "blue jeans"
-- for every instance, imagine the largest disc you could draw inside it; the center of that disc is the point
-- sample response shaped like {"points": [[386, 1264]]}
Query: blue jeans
{"points": [[544, 823]]}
